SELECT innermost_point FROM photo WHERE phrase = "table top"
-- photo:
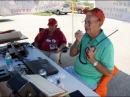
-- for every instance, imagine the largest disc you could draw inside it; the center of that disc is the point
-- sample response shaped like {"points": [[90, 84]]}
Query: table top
{"points": [[70, 83]]}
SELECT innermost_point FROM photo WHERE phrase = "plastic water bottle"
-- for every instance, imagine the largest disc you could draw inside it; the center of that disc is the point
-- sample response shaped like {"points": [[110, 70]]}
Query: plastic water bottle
{"points": [[9, 62]]}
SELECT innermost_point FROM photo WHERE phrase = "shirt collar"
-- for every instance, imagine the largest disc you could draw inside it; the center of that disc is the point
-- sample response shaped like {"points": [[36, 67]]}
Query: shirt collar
{"points": [[101, 36]]}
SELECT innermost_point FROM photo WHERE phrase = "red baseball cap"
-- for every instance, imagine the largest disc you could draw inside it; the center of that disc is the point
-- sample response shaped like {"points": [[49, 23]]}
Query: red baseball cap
{"points": [[98, 13], [52, 22]]}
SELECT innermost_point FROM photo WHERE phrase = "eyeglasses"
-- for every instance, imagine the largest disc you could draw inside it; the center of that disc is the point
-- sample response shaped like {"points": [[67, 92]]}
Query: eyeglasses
{"points": [[88, 22]]}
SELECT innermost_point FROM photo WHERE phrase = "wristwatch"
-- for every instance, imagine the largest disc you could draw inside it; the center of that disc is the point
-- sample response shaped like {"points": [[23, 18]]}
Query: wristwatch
{"points": [[95, 63]]}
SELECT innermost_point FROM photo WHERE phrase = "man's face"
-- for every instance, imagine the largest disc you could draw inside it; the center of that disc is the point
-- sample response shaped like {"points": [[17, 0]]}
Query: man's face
{"points": [[92, 23], [52, 28]]}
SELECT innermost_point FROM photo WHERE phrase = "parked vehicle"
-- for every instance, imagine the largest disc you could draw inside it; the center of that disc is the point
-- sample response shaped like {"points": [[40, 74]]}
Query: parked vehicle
{"points": [[64, 9], [80, 7]]}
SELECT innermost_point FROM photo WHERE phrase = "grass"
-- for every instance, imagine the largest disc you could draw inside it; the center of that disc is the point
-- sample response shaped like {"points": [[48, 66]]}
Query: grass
{"points": [[43, 13]]}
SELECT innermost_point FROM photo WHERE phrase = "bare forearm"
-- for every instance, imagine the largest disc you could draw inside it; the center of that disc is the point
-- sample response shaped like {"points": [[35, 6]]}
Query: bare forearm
{"points": [[62, 46], [73, 49], [90, 55], [103, 69]]}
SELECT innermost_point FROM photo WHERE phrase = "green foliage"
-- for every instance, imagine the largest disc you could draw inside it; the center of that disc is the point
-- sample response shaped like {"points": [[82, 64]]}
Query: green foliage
{"points": [[90, 5], [47, 13]]}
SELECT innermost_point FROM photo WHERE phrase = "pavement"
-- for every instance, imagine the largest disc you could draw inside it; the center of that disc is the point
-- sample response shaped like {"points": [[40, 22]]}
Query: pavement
{"points": [[29, 25]]}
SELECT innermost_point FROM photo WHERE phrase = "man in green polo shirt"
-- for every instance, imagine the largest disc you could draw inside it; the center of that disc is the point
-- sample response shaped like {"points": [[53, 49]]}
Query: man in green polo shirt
{"points": [[94, 58]]}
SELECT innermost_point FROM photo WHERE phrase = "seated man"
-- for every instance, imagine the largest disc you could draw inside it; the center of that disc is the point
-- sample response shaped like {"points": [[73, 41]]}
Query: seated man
{"points": [[51, 40], [95, 56]]}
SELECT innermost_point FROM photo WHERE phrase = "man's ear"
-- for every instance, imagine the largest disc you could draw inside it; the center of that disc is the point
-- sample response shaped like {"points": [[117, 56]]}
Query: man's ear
{"points": [[100, 23]]}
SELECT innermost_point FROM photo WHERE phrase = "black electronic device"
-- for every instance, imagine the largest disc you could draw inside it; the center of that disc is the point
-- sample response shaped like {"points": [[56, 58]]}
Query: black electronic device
{"points": [[4, 74], [35, 66], [21, 87], [65, 49], [17, 50], [3, 50], [16, 82], [76, 93]]}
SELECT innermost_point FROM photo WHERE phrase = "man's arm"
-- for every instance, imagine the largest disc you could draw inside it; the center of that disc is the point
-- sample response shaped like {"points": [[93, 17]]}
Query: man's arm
{"points": [[62, 39], [61, 47], [101, 68], [74, 47], [39, 38], [98, 65]]}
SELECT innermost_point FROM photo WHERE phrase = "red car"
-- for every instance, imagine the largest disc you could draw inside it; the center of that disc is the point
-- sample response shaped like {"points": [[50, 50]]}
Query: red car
{"points": [[80, 8]]}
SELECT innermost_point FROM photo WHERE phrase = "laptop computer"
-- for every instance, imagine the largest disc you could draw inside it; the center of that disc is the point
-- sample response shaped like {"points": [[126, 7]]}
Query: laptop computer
{"points": [[36, 65]]}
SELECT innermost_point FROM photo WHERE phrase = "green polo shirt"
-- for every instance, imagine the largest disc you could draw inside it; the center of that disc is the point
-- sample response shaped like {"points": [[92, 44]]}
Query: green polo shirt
{"points": [[104, 54]]}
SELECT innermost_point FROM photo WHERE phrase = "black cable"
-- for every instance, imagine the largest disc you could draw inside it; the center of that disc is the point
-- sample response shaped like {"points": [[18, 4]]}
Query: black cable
{"points": [[106, 37], [80, 54]]}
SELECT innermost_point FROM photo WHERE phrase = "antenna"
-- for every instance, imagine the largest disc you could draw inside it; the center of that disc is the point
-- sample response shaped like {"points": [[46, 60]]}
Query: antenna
{"points": [[106, 37]]}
